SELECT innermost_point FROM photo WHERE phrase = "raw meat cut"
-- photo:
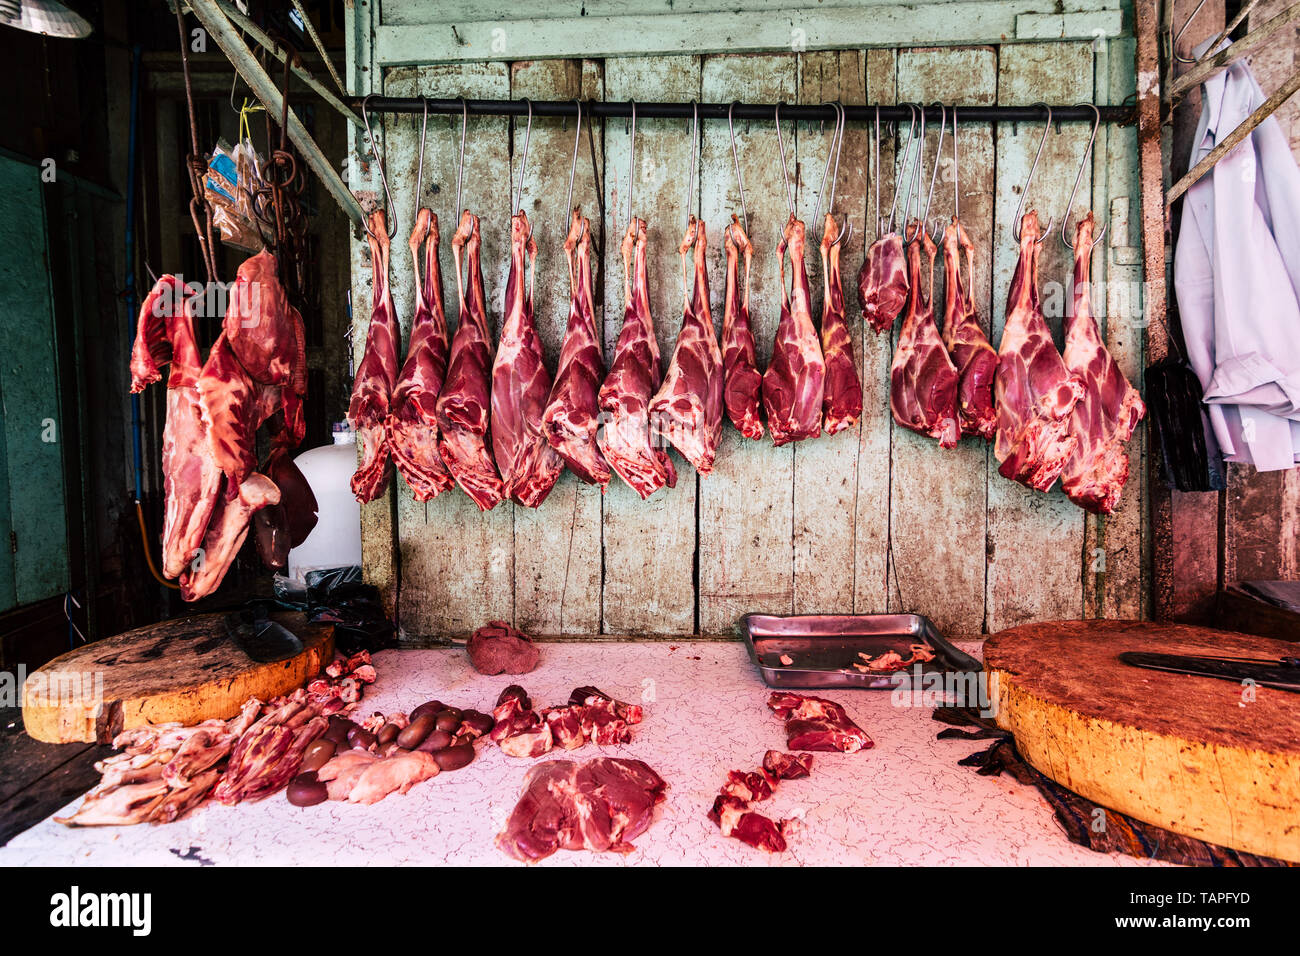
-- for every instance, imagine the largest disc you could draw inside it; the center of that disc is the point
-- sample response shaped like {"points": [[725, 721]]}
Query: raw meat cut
{"points": [[633, 378], [590, 714], [1109, 408], [731, 810], [529, 466], [922, 379], [227, 528], [394, 774], [499, 648], [793, 382], [372, 389], [283, 526], [883, 282], [687, 410], [602, 804], [572, 416], [1034, 391], [786, 766], [814, 723], [192, 479], [268, 754], [413, 411], [742, 384], [463, 404], [842, 401], [976, 361]]}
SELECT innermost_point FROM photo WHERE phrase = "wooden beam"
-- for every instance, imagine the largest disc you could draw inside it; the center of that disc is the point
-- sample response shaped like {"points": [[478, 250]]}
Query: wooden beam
{"points": [[1207, 68]]}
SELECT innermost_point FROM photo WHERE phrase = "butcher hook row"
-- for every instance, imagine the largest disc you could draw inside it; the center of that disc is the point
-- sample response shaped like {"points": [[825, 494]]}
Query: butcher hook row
{"points": [[1020, 209], [1065, 220]]}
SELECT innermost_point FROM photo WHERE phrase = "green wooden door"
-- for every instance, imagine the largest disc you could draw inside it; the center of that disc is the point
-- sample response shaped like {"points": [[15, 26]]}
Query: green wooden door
{"points": [[34, 553]]}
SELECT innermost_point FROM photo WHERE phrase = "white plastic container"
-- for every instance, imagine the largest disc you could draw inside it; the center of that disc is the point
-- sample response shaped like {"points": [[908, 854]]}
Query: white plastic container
{"points": [[335, 542]]}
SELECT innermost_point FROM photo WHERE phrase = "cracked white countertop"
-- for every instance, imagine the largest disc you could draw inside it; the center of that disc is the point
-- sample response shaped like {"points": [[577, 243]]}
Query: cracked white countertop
{"points": [[903, 802]]}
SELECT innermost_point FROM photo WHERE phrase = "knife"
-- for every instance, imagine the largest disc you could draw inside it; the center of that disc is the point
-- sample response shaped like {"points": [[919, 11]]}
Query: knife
{"points": [[1281, 672], [262, 639]]}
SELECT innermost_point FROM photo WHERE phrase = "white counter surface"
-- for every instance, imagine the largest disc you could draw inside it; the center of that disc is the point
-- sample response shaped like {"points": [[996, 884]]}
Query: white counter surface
{"points": [[903, 802]]}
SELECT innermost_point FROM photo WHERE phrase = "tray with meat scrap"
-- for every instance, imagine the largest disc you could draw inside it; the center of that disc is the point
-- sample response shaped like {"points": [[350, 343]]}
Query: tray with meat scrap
{"points": [[847, 650]]}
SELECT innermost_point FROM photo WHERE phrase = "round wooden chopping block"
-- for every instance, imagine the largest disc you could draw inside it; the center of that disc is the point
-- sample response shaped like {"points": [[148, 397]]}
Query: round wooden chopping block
{"points": [[187, 670], [1191, 754]]}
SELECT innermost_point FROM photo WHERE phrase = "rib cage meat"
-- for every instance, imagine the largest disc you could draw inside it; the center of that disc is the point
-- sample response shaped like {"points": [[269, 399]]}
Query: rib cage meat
{"points": [[687, 409], [793, 383], [742, 385], [1109, 409], [975, 358], [842, 402], [1034, 391], [922, 379], [633, 379], [463, 403], [529, 466], [572, 416], [413, 420], [376, 375]]}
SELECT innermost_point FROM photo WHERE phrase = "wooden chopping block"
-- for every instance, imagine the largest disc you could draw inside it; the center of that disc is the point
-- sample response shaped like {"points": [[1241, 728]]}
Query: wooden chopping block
{"points": [[187, 670], [1190, 754]]}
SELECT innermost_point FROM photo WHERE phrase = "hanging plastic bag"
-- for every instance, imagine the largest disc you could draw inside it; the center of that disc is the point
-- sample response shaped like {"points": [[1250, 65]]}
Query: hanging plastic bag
{"points": [[234, 176]]}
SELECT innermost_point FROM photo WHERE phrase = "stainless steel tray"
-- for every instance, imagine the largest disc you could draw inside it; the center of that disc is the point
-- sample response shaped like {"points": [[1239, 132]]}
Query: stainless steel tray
{"points": [[822, 646]]}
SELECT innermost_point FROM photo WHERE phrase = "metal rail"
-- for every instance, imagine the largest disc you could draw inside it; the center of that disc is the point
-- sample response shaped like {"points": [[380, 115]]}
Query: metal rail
{"points": [[746, 111]]}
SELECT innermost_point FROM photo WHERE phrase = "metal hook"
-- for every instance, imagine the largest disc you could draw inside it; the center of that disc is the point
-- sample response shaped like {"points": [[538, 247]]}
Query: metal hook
{"points": [[374, 147], [740, 180], [631, 164], [419, 173], [460, 166], [1065, 220], [1015, 226], [938, 156], [837, 145], [785, 169], [912, 180], [875, 166], [956, 176], [695, 158], [523, 162], [893, 206], [1173, 46], [573, 168]]}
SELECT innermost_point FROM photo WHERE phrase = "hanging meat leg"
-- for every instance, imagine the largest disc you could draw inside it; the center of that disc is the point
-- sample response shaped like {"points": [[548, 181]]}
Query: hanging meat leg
{"points": [[376, 375], [633, 378], [572, 415], [192, 479], [1034, 391], [687, 409], [413, 421], [521, 385], [922, 379], [976, 361], [463, 404], [842, 401], [1110, 407], [742, 384], [883, 282], [793, 382]]}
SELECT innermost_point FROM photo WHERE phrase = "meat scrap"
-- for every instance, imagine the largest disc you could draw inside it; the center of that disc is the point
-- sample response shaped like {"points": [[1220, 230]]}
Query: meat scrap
{"points": [[814, 723], [599, 805], [589, 715], [731, 810], [893, 661], [1109, 409], [498, 648], [1035, 392]]}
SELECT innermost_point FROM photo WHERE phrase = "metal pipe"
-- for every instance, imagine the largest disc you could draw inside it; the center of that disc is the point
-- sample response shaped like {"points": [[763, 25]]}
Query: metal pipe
{"points": [[747, 111]]}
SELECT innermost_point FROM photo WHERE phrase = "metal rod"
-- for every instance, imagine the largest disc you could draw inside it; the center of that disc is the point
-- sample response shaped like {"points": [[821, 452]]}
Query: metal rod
{"points": [[748, 111], [1206, 68]]}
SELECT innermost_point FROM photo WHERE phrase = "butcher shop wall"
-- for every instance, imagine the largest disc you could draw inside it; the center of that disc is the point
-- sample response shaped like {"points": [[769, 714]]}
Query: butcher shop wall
{"points": [[873, 519]]}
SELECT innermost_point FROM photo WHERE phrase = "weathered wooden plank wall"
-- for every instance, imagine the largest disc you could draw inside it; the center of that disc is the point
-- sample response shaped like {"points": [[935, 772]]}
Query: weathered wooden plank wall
{"points": [[873, 519]]}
